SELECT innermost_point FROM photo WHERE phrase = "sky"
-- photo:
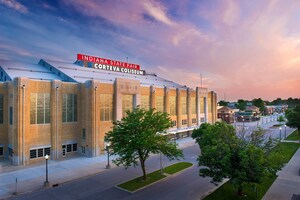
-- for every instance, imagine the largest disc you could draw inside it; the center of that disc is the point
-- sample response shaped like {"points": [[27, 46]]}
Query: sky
{"points": [[243, 49]]}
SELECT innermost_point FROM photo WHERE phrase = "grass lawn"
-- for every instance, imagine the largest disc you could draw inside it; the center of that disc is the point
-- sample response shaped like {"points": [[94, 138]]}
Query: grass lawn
{"points": [[294, 136], [138, 183], [227, 191]]}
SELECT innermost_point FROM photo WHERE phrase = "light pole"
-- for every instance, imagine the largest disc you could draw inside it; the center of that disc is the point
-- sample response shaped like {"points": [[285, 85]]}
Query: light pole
{"points": [[161, 164], [280, 133], [46, 183], [243, 123], [107, 149], [285, 131]]}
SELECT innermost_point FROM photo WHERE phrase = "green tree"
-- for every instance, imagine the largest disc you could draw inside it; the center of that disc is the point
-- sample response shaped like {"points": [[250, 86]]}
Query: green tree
{"points": [[259, 103], [138, 135], [223, 103], [241, 104], [224, 155], [293, 117], [281, 119]]}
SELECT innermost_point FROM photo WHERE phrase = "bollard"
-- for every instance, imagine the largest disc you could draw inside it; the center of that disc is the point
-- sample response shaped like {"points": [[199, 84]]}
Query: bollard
{"points": [[16, 187]]}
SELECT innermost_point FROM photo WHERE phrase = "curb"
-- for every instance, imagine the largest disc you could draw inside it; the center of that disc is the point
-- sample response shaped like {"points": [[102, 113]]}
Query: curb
{"points": [[165, 178]]}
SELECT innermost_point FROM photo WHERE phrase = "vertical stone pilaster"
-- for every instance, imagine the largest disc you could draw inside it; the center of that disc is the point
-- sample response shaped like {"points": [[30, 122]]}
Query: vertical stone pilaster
{"points": [[167, 100], [198, 106], [189, 110], [152, 97], [56, 119], [178, 106]]}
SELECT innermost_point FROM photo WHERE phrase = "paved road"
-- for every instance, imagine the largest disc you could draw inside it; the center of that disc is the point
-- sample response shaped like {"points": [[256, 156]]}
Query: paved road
{"points": [[185, 185], [100, 184]]}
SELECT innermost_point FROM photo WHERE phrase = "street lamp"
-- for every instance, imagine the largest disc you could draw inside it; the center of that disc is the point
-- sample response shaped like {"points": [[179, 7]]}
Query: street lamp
{"points": [[285, 131], [280, 133], [107, 149], [46, 183]]}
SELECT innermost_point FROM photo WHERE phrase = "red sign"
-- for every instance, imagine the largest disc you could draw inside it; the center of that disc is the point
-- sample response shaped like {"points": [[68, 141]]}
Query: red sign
{"points": [[105, 61]]}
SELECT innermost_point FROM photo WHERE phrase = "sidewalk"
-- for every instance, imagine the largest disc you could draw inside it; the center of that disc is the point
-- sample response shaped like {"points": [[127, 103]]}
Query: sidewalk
{"points": [[287, 182], [32, 177]]}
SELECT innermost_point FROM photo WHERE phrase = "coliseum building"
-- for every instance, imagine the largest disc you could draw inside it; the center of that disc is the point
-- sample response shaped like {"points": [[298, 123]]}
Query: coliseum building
{"points": [[61, 108]]}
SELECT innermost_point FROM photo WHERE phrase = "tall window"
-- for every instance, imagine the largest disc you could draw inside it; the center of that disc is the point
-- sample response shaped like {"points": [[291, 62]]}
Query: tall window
{"points": [[1, 108], [159, 103], [145, 102], [106, 107], [69, 108], [183, 106], [202, 105], [209, 104], [11, 113], [127, 104], [172, 102], [193, 105], [39, 108]]}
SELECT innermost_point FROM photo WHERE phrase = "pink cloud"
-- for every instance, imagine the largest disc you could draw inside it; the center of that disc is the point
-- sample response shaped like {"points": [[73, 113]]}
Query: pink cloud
{"points": [[249, 50], [14, 5]]}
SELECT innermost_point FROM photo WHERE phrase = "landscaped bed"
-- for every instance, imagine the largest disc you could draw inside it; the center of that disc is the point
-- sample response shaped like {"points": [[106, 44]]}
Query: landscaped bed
{"points": [[257, 191], [138, 183], [294, 136]]}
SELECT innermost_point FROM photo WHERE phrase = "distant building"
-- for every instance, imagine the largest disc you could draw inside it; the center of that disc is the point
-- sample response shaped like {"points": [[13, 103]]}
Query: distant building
{"points": [[255, 110], [226, 114]]}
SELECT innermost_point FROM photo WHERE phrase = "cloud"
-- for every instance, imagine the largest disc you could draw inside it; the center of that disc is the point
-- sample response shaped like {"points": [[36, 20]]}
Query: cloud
{"points": [[243, 48], [14, 5], [157, 12]]}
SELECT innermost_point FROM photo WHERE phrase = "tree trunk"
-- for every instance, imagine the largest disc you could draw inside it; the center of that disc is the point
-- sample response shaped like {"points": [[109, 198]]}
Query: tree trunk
{"points": [[143, 168], [240, 190]]}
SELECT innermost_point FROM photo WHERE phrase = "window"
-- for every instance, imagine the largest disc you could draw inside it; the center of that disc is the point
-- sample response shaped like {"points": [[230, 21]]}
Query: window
{"points": [[33, 154], [172, 102], [39, 108], [11, 115], [1, 151], [145, 102], [1, 108], [69, 108], [127, 104], [194, 121], [74, 147], [83, 135], [174, 123], [47, 151], [193, 105], [70, 147], [202, 119], [83, 149], [183, 106], [184, 122], [202, 105], [40, 152], [159, 103], [106, 107]]}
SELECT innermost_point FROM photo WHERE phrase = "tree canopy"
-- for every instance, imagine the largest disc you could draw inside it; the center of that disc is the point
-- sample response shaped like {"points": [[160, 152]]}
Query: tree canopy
{"points": [[224, 155], [259, 103], [223, 103], [293, 117], [138, 135], [241, 104]]}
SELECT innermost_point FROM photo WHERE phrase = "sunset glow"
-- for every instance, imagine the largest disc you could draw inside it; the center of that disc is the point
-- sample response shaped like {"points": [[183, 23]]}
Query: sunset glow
{"points": [[243, 49]]}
